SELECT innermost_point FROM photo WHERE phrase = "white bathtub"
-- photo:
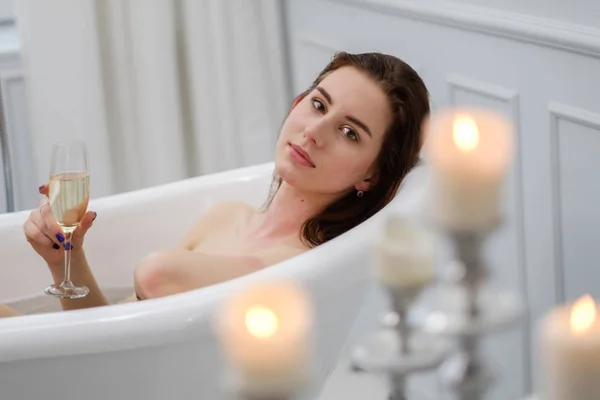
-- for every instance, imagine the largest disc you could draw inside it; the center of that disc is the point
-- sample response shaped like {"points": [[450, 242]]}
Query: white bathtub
{"points": [[164, 348]]}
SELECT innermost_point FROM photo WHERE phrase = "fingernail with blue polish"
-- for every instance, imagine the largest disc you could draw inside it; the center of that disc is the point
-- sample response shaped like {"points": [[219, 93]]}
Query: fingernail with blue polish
{"points": [[40, 188], [95, 215], [60, 237], [68, 246], [55, 246]]}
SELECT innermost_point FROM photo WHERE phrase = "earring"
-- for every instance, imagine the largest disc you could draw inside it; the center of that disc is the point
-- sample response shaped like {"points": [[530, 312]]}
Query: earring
{"points": [[359, 193]]}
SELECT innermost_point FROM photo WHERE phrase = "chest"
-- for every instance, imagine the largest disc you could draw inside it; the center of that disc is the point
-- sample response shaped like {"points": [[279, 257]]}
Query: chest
{"points": [[234, 239]]}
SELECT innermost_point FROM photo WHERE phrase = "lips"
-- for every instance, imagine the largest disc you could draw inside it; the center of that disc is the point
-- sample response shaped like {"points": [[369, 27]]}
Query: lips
{"points": [[302, 154]]}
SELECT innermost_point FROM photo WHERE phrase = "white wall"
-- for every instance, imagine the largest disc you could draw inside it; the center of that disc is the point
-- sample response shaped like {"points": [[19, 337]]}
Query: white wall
{"points": [[540, 72]]}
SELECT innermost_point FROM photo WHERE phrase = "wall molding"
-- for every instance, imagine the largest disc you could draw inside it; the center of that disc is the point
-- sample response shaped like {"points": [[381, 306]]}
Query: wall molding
{"points": [[459, 82], [574, 114], [540, 31], [308, 41], [562, 112], [511, 98]]}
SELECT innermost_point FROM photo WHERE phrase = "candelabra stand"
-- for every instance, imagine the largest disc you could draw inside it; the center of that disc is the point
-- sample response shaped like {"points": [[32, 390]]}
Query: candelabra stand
{"points": [[397, 350], [442, 325]]}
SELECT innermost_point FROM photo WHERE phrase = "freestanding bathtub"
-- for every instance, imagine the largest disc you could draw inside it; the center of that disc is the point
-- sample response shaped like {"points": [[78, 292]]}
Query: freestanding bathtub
{"points": [[165, 348]]}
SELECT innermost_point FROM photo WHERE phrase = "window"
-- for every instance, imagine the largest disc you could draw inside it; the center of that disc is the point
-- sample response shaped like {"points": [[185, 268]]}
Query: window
{"points": [[7, 11]]}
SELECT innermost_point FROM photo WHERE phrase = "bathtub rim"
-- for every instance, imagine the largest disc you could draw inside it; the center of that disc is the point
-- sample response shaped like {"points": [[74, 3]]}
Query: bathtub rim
{"points": [[129, 197]]}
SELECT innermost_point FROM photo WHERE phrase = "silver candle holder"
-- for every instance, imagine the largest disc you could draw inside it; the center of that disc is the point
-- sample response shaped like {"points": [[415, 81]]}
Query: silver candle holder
{"points": [[397, 350], [440, 326]]}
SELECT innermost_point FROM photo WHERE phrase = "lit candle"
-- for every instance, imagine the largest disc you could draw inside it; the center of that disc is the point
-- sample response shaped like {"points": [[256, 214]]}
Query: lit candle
{"points": [[265, 335], [570, 352], [404, 255], [469, 151]]}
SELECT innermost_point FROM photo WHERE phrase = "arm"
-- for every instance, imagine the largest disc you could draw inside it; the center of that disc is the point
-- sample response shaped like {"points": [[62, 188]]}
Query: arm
{"points": [[152, 271], [43, 234], [6, 311], [82, 274], [176, 271], [183, 269]]}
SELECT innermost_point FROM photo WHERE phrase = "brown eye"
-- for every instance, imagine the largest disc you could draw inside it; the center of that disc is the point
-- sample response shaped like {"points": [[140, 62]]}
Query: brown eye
{"points": [[318, 105], [350, 134]]}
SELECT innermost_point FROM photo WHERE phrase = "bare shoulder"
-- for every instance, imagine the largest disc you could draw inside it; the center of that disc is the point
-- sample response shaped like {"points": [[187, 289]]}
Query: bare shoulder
{"points": [[213, 218]]}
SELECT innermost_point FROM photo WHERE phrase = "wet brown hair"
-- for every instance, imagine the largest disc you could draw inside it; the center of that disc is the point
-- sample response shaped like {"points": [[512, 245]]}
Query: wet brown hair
{"points": [[408, 98]]}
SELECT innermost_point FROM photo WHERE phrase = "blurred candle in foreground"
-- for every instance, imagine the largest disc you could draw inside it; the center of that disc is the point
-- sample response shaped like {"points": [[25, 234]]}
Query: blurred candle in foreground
{"points": [[570, 352], [404, 254], [265, 333], [469, 151]]}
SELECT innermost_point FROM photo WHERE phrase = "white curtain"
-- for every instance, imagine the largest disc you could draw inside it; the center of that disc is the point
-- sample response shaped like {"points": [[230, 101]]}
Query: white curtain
{"points": [[160, 89]]}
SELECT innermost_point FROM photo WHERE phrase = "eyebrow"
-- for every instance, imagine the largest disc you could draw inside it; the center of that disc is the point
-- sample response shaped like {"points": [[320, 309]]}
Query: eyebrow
{"points": [[325, 94], [348, 117]]}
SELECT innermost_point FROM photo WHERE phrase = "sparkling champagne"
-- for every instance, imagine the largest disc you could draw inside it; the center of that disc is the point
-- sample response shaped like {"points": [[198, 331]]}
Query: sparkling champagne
{"points": [[69, 195]]}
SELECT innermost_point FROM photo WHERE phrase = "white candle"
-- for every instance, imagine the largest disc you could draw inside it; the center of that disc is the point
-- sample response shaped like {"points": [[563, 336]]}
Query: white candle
{"points": [[404, 255], [570, 352], [265, 335], [469, 151]]}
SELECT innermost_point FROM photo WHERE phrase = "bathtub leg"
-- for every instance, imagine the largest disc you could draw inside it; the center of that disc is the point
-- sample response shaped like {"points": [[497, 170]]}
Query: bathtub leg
{"points": [[6, 311]]}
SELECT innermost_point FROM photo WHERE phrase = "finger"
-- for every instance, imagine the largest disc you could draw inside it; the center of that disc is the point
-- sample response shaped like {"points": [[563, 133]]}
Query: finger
{"points": [[86, 223], [36, 237], [35, 217], [44, 189], [88, 219], [53, 229]]}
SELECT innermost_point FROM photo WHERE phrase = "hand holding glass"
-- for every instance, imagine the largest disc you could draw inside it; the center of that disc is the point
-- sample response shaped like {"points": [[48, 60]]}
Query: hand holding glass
{"points": [[69, 195]]}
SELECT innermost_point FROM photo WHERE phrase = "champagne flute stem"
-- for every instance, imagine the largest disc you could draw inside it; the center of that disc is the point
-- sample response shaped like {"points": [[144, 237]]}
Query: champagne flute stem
{"points": [[67, 279]]}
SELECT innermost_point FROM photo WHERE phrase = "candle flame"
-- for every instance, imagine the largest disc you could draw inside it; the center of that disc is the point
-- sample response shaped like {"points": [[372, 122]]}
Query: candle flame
{"points": [[583, 314], [261, 322], [465, 133]]}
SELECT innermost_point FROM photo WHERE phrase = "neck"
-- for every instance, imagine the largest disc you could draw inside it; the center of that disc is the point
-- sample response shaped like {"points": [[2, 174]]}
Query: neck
{"points": [[289, 210]]}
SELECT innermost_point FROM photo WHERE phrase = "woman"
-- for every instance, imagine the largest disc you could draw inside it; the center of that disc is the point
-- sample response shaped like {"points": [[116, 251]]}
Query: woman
{"points": [[343, 150]]}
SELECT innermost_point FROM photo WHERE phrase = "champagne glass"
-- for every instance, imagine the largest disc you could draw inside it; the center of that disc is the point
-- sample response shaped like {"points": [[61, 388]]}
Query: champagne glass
{"points": [[69, 194]]}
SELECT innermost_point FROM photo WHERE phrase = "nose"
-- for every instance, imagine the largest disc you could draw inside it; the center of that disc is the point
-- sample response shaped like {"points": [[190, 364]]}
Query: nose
{"points": [[315, 131]]}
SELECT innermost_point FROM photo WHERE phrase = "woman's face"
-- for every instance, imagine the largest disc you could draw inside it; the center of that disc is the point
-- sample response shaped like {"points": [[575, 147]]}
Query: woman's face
{"points": [[332, 137]]}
